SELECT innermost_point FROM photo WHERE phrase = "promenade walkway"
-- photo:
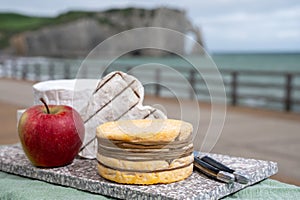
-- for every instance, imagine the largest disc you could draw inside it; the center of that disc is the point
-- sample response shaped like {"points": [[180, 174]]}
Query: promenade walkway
{"points": [[248, 132]]}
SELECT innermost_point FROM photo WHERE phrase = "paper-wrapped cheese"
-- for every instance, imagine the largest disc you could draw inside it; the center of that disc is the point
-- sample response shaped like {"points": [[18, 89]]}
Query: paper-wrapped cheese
{"points": [[117, 96]]}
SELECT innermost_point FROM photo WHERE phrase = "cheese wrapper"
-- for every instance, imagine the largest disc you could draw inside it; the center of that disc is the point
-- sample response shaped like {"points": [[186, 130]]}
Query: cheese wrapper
{"points": [[118, 96]]}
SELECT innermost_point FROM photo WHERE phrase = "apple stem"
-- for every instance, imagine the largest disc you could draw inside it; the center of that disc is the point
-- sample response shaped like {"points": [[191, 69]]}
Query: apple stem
{"points": [[44, 102]]}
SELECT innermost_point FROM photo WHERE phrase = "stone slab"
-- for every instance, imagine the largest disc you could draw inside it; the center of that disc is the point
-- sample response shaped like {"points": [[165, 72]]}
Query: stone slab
{"points": [[82, 175]]}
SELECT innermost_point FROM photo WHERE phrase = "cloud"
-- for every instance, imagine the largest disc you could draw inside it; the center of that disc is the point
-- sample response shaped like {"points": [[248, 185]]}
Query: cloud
{"points": [[226, 24], [288, 34], [244, 28]]}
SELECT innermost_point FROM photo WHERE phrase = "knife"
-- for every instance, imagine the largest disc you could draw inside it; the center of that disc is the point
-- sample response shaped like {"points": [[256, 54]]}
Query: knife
{"points": [[239, 178], [212, 171]]}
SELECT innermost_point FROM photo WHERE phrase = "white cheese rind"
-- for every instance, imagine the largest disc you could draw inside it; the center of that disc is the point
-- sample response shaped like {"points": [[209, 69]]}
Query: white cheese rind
{"points": [[71, 92], [116, 96]]}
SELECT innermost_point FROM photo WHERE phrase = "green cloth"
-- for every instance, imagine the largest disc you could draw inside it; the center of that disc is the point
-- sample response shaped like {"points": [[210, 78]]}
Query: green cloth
{"points": [[16, 187], [268, 189]]}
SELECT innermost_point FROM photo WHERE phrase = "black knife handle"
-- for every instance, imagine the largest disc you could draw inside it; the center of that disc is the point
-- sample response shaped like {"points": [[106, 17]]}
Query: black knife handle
{"points": [[216, 164], [212, 172], [206, 167]]}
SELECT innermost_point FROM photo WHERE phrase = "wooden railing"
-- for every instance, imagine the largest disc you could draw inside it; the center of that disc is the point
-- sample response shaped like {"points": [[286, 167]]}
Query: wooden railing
{"points": [[278, 88], [289, 85], [37, 70], [286, 83]]}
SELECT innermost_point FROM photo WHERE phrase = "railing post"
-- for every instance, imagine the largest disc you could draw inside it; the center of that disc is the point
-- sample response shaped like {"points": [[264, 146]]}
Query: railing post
{"points": [[37, 72], [157, 81], [234, 99], [288, 92], [192, 83], [24, 71], [67, 71], [51, 68], [14, 69], [4, 69]]}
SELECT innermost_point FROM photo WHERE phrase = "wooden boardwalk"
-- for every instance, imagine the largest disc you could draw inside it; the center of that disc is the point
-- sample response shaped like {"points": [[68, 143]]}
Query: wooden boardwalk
{"points": [[254, 133]]}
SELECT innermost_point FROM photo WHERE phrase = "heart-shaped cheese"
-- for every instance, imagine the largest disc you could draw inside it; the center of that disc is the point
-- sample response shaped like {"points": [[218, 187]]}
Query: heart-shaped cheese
{"points": [[118, 96]]}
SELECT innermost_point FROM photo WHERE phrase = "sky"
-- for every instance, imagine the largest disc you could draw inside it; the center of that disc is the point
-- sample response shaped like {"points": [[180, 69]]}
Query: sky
{"points": [[227, 25]]}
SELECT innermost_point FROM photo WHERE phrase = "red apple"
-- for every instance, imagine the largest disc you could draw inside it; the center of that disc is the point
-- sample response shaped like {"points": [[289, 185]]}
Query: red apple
{"points": [[51, 136]]}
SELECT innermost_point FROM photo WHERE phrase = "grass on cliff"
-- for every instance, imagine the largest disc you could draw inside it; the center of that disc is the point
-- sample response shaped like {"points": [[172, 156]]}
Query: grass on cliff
{"points": [[12, 23]]}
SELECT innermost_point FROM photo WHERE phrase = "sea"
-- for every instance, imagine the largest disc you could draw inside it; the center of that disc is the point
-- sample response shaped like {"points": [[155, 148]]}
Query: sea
{"points": [[244, 61], [268, 70], [261, 82]]}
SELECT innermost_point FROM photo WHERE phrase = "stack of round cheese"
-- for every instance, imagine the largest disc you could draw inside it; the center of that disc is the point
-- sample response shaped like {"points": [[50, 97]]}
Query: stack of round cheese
{"points": [[145, 151]]}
